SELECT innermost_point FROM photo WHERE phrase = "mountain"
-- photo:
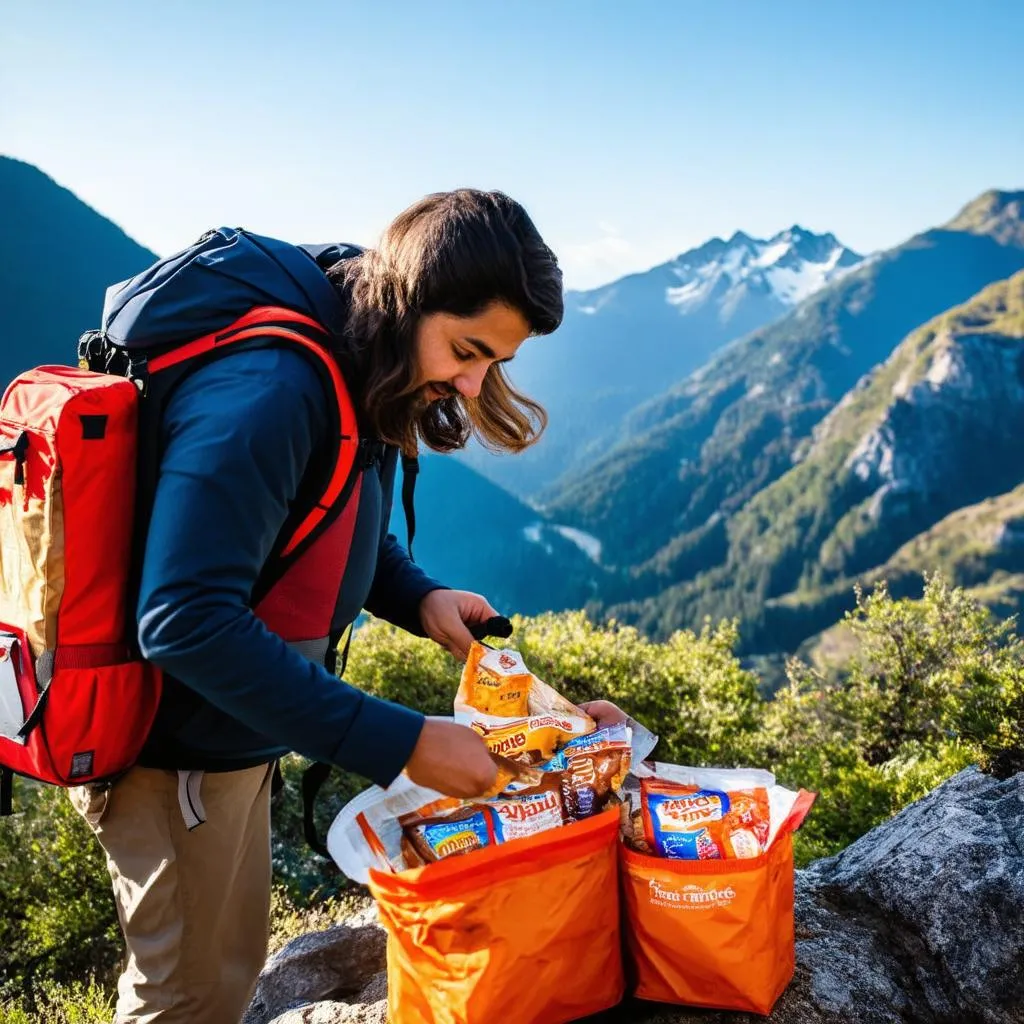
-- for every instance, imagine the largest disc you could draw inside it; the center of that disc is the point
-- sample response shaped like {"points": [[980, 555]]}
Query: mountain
{"points": [[690, 459], [999, 215], [914, 441], [979, 547], [58, 256], [474, 536], [619, 344]]}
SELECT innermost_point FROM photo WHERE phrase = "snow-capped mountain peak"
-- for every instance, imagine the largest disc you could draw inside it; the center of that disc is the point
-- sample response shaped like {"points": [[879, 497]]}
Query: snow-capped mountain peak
{"points": [[788, 267]]}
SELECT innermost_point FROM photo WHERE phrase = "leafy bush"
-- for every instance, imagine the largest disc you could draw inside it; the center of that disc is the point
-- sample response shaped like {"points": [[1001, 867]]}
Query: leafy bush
{"points": [[59, 920], [691, 689], [76, 1003], [935, 685]]}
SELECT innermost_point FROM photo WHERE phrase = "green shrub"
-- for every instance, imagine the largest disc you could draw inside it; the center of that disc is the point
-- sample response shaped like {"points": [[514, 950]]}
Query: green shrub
{"points": [[934, 686], [390, 663], [691, 690], [59, 920], [74, 1003]]}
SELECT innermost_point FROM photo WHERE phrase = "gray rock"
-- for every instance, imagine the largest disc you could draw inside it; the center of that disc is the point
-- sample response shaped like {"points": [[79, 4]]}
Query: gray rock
{"points": [[328, 1012], [376, 989], [941, 887], [322, 966], [921, 921], [335, 1013]]}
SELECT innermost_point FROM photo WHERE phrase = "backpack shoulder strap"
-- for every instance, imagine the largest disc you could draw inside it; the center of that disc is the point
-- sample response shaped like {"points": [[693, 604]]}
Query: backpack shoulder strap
{"points": [[159, 374]]}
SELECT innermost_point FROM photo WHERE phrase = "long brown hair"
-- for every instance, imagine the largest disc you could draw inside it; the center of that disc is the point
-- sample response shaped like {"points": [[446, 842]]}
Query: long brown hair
{"points": [[452, 252]]}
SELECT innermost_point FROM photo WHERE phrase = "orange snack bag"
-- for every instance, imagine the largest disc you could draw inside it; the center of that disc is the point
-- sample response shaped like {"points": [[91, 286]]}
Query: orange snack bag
{"points": [[495, 683], [714, 933], [707, 882], [520, 717]]}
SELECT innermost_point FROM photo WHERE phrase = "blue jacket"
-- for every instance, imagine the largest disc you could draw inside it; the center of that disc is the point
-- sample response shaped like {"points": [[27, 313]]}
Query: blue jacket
{"points": [[235, 440]]}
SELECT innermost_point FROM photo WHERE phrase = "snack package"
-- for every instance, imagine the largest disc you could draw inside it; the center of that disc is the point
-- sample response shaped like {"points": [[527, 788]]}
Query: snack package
{"points": [[529, 811], [519, 744], [592, 769], [690, 823], [438, 832], [495, 682], [426, 839], [519, 716], [705, 814]]}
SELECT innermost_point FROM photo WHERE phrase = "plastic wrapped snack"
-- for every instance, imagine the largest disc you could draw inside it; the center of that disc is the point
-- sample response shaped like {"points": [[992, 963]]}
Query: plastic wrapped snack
{"points": [[705, 814], [495, 682], [434, 837], [592, 769], [529, 811], [429, 836], [692, 823], [518, 715]]}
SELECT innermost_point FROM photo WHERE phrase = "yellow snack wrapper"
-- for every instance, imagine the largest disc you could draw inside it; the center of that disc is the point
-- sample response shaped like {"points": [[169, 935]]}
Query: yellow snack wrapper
{"points": [[495, 683], [522, 720]]}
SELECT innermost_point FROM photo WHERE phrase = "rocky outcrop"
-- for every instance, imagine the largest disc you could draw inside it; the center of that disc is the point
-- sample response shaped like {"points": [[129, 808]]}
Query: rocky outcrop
{"points": [[328, 977], [935, 430], [921, 921], [946, 417]]}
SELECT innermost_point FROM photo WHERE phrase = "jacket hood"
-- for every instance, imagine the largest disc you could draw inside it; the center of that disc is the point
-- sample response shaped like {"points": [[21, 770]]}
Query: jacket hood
{"points": [[214, 282]]}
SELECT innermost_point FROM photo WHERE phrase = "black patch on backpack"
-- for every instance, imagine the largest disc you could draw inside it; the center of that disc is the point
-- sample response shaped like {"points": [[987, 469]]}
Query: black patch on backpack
{"points": [[94, 428], [81, 763]]}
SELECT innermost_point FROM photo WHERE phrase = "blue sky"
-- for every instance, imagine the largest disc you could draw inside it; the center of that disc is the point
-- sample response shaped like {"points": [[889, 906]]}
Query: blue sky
{"points": [[630, 131]]}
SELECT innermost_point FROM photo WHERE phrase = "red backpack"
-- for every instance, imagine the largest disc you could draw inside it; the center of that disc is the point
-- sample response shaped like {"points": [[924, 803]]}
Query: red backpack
{"points": [[76, 700]]}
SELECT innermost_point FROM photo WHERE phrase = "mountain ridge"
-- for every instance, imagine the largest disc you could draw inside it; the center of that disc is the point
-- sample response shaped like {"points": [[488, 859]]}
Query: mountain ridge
{"points": [[621, 342], [707, 445], [48, 232], [912, 442]]}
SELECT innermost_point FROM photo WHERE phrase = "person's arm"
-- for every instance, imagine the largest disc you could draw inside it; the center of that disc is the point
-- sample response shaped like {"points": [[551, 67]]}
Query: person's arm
{"points": [[238, 435]]}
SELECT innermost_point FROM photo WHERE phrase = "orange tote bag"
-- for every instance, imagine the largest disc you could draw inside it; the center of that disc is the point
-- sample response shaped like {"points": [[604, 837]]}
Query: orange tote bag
{"points": [[523, 933], [714, 933]]}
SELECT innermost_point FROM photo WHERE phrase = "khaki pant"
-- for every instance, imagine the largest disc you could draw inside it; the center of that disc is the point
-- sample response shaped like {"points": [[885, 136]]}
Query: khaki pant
{"points": [[194, 906]]}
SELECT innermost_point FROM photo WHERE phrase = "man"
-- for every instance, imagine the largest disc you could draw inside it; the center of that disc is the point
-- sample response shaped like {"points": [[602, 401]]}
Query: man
{"points": [[420, 329]]}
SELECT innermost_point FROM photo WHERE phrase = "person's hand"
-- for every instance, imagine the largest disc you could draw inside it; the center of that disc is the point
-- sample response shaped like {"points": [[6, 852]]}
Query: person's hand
{"points": [[445, 614], [452, 759], [604, 713]]}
